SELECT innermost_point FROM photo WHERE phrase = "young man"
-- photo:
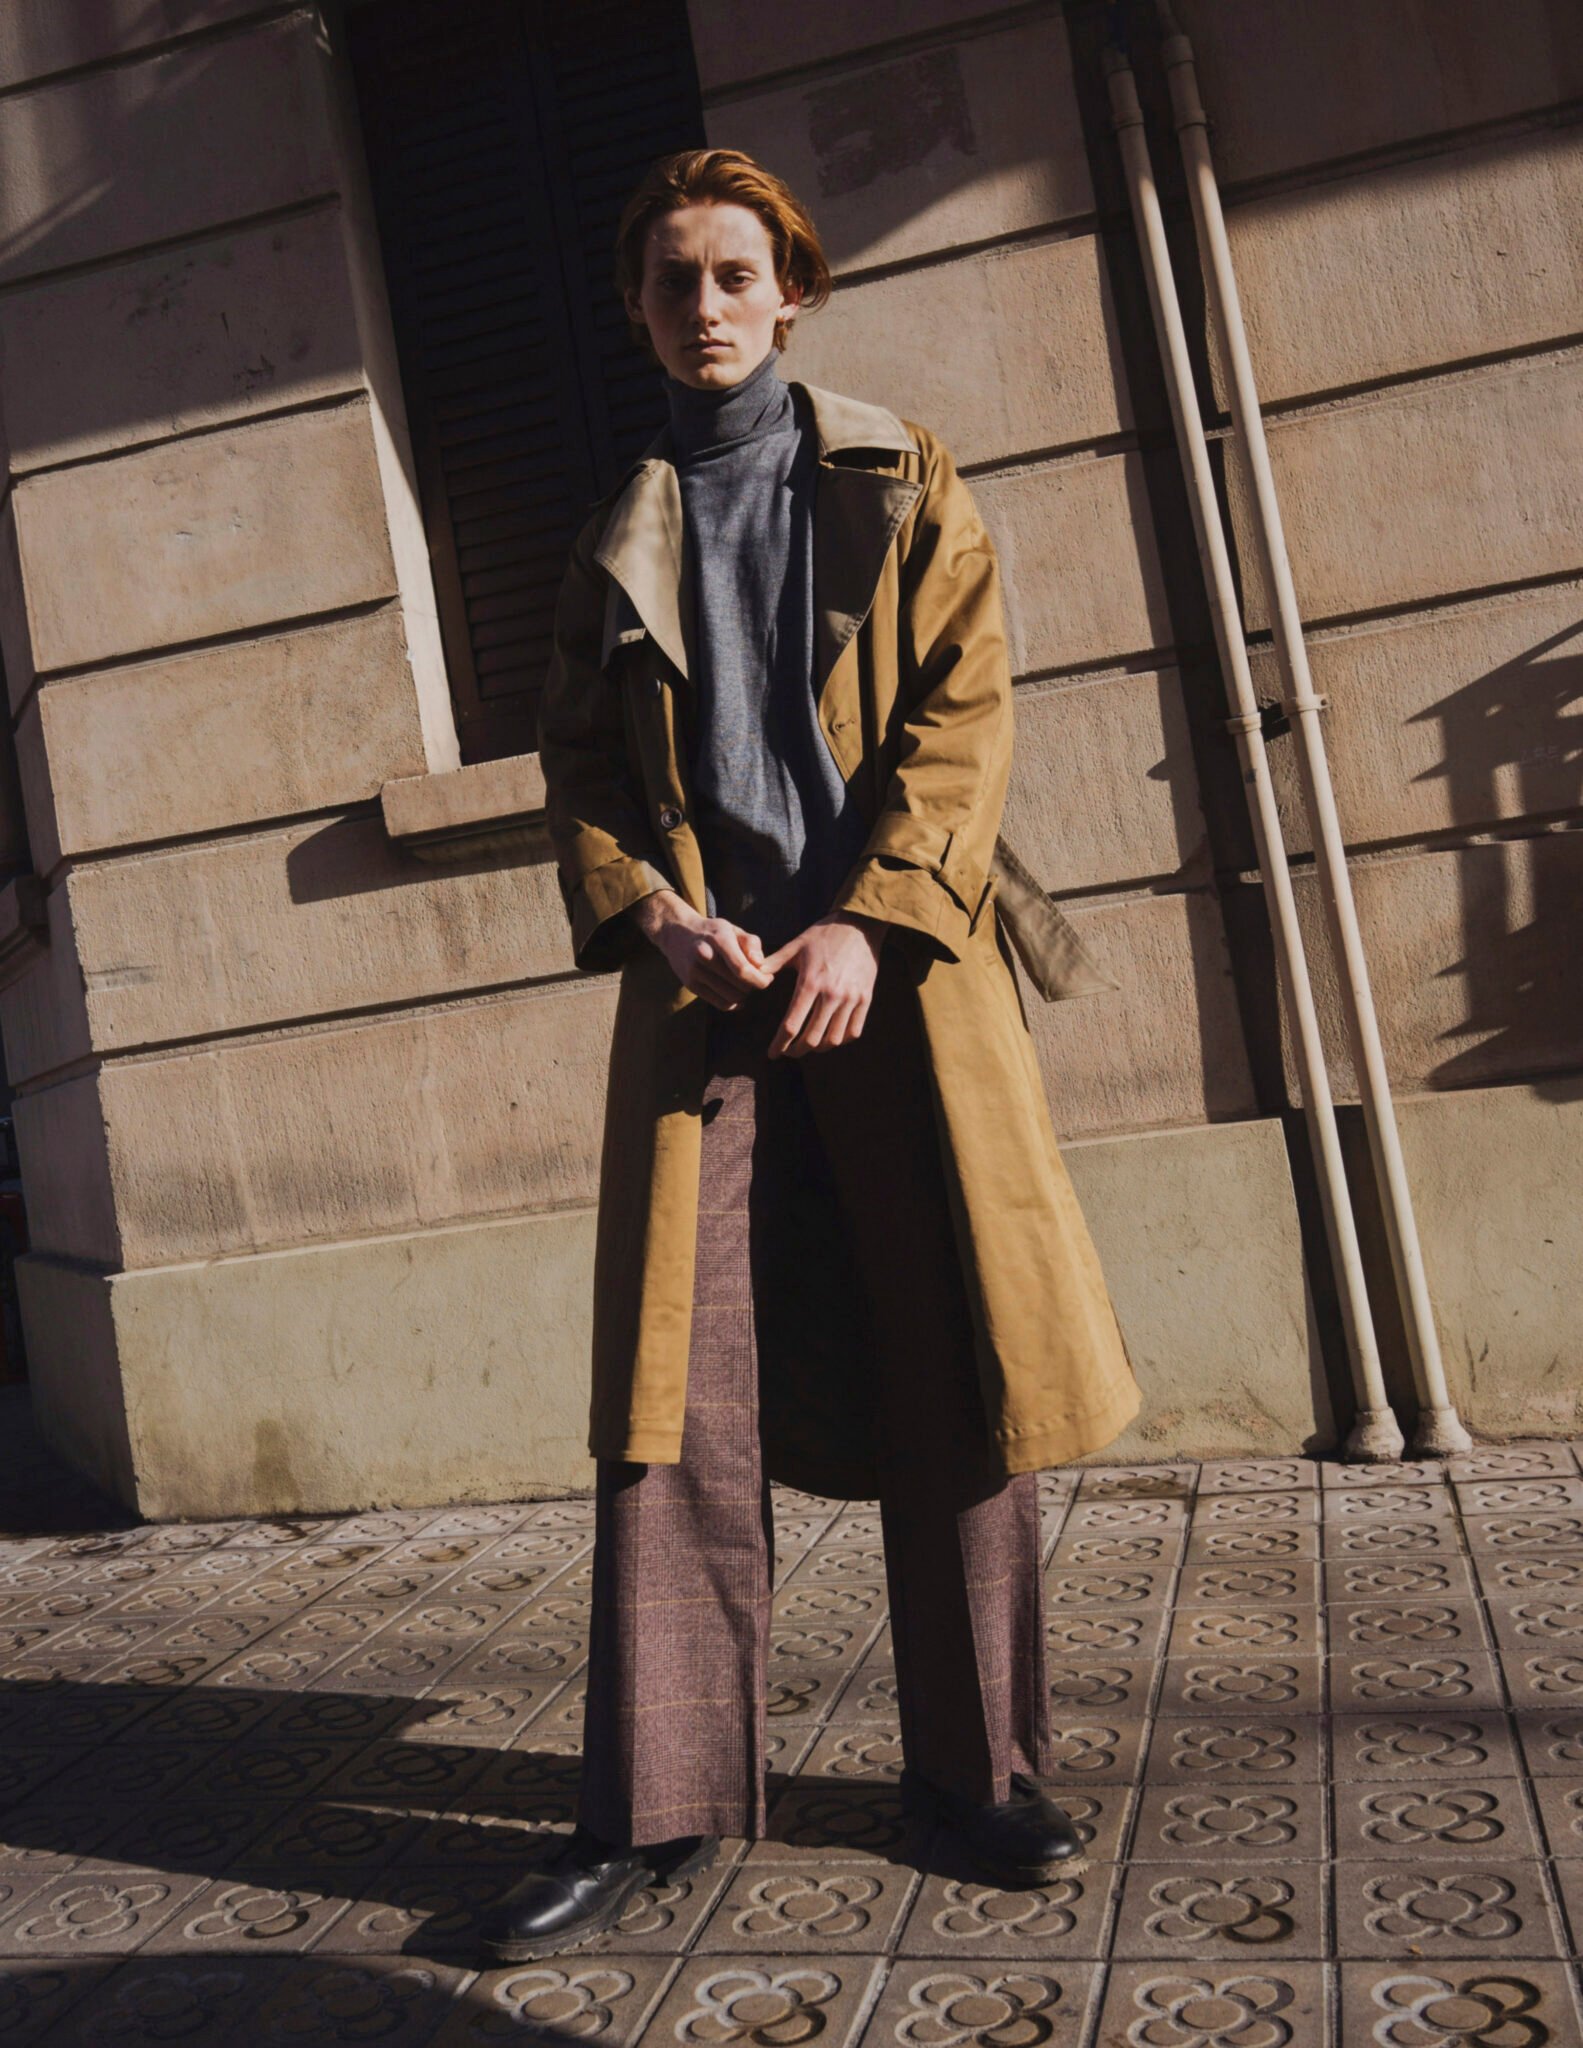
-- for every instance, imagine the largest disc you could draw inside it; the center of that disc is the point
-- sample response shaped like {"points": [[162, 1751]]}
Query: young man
{"points": [[837, 1246]]}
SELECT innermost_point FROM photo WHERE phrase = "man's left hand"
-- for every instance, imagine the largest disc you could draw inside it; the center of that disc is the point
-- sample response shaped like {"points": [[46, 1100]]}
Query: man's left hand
{"points": [[836, 961]]}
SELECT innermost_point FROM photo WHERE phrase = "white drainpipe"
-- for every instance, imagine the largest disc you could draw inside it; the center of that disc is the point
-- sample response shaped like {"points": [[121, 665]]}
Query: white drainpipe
{"points": [[1439, 1430], [1375, 1434]]}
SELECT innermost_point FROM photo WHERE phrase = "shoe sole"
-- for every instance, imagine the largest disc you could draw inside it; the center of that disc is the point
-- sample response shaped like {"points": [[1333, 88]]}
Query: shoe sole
{"points": [[560, 1945], [1013, 1877]]}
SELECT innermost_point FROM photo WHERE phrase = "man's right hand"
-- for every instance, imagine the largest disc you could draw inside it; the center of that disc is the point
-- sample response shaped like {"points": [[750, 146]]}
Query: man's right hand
{"points": [[716, 959]]}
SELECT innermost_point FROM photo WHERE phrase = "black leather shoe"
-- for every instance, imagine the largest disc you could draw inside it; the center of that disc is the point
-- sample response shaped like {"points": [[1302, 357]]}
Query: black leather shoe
{"points": [[1023, 1840], [582, 1891]]}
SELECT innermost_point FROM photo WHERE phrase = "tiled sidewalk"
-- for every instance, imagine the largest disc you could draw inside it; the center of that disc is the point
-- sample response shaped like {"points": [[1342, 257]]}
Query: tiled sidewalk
{"points": [[1323, 1728]]}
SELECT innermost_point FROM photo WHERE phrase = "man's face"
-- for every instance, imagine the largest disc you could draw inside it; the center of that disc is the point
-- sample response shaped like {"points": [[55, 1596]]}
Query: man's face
{"points": [[710, 298]]}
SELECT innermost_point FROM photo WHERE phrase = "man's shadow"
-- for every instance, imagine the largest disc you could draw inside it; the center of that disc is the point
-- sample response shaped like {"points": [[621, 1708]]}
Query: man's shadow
{"points": [[333, 1794]]}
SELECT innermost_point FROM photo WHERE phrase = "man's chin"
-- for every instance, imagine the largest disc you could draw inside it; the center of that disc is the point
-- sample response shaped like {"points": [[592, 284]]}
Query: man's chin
{"points": [[712, 373]]}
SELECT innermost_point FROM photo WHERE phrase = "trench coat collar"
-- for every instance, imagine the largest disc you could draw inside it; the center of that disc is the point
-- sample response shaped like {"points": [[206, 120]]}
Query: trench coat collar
{"points": [[857, 512]]}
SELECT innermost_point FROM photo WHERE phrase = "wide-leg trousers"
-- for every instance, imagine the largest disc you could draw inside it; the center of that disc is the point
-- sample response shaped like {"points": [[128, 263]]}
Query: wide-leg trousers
{"points": [[816, 1172]]}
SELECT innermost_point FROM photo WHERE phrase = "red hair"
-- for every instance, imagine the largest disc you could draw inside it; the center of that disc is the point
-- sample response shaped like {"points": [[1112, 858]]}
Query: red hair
{"points": [[729, 176]]}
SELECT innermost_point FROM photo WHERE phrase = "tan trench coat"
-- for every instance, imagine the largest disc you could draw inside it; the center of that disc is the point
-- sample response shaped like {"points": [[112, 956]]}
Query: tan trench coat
{"points": [[914, 698]]}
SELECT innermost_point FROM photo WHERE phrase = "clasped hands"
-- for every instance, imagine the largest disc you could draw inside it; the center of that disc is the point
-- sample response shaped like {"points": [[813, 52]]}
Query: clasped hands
{"points": [[836, 960]]}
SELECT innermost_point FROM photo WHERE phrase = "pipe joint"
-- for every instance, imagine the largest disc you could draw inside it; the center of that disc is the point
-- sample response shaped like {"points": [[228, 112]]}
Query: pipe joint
{"points": [[1176, 55], [1125, 110], [1306, 707]]}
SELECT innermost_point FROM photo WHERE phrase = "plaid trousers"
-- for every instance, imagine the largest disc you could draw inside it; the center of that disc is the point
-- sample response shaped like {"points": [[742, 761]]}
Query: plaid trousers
{"points": [[815, 1172]]}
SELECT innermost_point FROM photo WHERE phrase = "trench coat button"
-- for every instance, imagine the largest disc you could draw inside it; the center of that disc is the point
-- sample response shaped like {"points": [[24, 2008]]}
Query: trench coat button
{"points": [[655, 686], [670, 817]]}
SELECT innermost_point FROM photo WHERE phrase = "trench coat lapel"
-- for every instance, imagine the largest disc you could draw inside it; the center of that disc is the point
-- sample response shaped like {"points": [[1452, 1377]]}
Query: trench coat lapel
{"points": [[857, 512], [641, 551]]}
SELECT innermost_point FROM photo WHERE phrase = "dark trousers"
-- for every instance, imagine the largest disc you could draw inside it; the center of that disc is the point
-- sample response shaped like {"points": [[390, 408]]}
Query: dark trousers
{"points": [[812, 1168]]}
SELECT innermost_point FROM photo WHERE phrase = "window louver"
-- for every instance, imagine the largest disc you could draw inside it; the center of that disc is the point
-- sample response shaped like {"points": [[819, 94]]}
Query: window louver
{"points": [[503, 139]]}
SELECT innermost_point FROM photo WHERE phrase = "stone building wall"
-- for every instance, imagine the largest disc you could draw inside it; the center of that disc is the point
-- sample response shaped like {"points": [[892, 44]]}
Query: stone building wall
{"points": [[309, 1126], [1403, 199]]}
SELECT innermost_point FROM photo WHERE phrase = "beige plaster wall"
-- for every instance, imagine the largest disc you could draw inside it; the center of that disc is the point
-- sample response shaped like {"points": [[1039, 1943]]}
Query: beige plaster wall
{"points": [[449, 1362], [1403, 189], [310, 1129], [1499, 1180]]}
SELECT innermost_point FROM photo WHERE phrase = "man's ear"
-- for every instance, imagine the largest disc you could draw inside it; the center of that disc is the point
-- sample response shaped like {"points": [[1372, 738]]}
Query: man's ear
{"points": [[634, 306]]}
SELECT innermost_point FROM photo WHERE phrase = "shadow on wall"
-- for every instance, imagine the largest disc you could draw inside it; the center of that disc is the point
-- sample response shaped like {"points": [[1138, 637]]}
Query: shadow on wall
{"points": [[1522, 899], [173, 148]]}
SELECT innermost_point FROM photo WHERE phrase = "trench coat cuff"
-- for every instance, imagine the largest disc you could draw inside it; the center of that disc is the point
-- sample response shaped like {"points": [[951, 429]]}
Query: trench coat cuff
{"points": [[602, 936], [916, 842], [914, 899], [636, 1443]]}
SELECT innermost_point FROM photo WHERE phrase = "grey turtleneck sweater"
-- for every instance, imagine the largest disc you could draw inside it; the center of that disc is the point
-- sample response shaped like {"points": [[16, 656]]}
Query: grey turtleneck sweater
{"points": [[777, 830]]}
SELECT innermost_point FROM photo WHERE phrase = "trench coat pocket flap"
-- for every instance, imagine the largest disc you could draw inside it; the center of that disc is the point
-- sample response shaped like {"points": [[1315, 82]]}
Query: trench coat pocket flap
{"points": [[1057, 962]]}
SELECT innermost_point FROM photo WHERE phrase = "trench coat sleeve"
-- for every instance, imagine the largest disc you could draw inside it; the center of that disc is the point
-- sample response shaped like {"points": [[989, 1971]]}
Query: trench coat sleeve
{"points": [[607, 855], [926, 864]]}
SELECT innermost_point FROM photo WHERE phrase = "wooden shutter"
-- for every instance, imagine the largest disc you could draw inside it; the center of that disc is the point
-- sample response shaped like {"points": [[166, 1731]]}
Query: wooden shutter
{"points": [[503, 139]]}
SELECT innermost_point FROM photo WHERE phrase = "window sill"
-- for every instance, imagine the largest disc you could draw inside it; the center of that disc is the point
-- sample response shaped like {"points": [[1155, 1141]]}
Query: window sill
{"points": [[487, 807]]}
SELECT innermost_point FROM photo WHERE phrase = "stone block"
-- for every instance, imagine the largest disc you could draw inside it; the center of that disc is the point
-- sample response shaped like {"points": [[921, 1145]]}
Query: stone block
{"points": [[1198, 1236], [1287, 86], [38, 37], [43, 1011], [448, 1365], [1503, 1267], [905, 155], [233, 324], [228, 531], [1104, 790], [24, 925], [1464, 255], [16, 653], [320, 917], [63, 1142], [735, 40], [74, 1369], [15, 852], [411, 1122], [1426, 492], [1081, 572], [1448, 722], [1165, 1048], [106, 161], [1473, 958], [222, 736], [1046, 369], [450, 809]]}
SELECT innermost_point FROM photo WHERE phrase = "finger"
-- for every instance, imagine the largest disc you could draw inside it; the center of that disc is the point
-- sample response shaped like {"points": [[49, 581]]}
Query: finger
{"points": [[792, 1023], [716, 959], [842, 1030], [718, 989], [734, 954], [780, 958], [827, 1023], [812, 1036]]}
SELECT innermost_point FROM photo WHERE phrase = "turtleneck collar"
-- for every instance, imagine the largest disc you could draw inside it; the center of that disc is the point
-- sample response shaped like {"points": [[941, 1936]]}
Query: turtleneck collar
{"points": [[708, 422]]}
